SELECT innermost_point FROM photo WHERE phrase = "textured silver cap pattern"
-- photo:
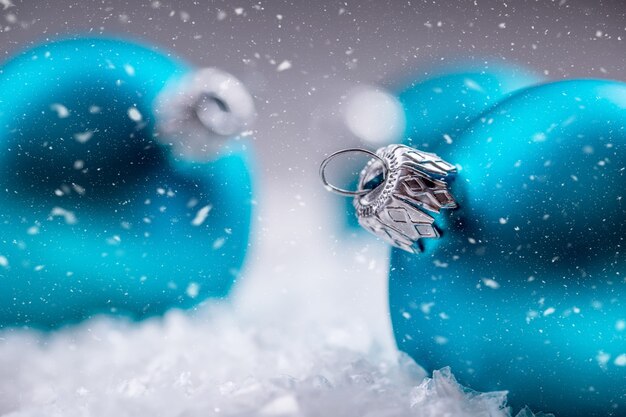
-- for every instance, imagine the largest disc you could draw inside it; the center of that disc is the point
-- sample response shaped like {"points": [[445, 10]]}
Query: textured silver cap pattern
{"points": [[396, 210]]}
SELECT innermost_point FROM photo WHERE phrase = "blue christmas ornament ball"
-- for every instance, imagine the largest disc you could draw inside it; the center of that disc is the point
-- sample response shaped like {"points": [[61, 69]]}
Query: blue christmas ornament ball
{"points": [[102, 212], [525, 290]]}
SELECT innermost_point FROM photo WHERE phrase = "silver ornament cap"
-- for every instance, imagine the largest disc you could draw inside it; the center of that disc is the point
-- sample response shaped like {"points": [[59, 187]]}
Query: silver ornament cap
{"points": [[397, 189]]}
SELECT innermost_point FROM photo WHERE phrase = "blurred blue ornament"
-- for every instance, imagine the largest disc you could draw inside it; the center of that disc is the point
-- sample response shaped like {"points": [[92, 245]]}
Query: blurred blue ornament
{"points": [[526, 291], [112, 203]]}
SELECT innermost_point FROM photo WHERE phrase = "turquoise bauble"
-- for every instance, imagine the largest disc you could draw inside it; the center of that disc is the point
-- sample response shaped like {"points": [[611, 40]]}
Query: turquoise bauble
{"points": [[99, 215], [526, 291]]}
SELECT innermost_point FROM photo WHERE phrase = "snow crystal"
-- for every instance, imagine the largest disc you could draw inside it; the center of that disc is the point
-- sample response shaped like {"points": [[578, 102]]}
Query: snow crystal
{"points": [[425, 307], [61, 110], [134, 114], [283, 66], [193, 289], [491, 283], [472, 85], [6, 4], [218, 243], [83, 137], [201, 215], [130, 70], [620, 360], [114, 240], [441, 340], [603, 359], [68, 216]]}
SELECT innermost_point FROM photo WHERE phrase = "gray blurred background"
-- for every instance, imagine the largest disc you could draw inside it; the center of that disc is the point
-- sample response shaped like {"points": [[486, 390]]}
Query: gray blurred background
{"points": [[300, 59], [334, 45]]}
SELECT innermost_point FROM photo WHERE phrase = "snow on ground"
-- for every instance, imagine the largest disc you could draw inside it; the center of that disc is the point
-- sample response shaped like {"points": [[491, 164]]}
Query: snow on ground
{"points": [[305, 334], [219, 364]]}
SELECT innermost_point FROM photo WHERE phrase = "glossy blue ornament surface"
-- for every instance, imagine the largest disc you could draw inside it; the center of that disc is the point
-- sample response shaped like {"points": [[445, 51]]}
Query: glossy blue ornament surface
{"points": [[97, 216], [526, 289]]}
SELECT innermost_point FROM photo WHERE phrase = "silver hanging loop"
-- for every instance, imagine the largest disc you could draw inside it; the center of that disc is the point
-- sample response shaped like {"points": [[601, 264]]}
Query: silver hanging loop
{"points": [[341, 191], [412, 184]]}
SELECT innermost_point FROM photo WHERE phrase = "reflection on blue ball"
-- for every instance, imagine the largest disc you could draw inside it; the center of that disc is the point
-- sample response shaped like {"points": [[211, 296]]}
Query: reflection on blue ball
{"points": [[526, 290], [440, 108], [97, 216]]}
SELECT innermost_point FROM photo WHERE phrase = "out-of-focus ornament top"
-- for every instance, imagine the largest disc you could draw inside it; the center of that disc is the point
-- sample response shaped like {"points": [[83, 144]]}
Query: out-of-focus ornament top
{"points": [[127, 189], [197, 113]]}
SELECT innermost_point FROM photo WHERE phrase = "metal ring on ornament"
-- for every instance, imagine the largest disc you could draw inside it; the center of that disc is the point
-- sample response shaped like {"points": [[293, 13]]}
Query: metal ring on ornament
{"points": [[341, 191]]}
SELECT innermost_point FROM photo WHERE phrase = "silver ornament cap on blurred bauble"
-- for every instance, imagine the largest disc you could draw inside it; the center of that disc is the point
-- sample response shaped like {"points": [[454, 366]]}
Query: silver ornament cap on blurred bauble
{"points": [[396, 190], [201, 111]]}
